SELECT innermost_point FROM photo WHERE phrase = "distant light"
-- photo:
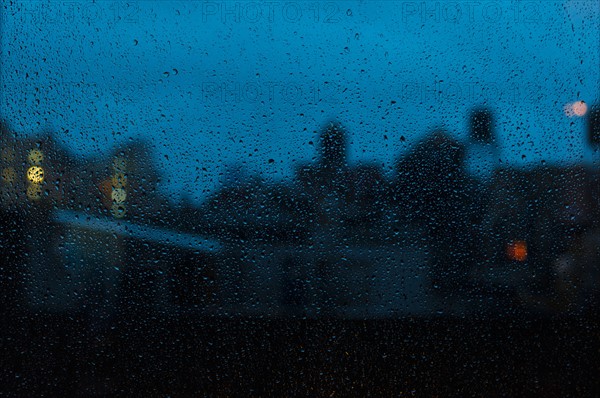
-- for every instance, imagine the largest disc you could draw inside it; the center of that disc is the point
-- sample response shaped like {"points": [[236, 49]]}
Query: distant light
{"points": [[579, 108], [9, 175], [118, 195], [34, 191], [517, 250], [120, 165], [35, 174], [118, 210], [119, 180], [35, 156]]}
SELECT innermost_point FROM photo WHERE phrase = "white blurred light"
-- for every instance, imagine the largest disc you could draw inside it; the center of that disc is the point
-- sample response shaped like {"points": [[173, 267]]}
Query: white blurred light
{"points": [[577, 108], [119, 195]]}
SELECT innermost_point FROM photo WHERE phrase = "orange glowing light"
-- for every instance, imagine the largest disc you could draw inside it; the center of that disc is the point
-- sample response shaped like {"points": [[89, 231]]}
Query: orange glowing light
{"points": [[517, 250], [119, 180], [106, 188]]}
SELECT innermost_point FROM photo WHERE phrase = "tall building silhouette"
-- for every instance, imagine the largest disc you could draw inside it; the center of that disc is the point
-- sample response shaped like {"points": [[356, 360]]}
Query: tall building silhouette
{"points": [[593, 125], [482, 126], [333, 146]]}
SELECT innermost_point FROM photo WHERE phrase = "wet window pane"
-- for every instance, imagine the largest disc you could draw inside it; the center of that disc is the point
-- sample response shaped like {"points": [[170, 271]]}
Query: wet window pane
{"points": [[323, 198]]}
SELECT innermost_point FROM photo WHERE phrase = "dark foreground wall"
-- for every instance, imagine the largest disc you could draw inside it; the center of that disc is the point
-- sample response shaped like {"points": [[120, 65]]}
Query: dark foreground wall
{"points": [[330, 358]]}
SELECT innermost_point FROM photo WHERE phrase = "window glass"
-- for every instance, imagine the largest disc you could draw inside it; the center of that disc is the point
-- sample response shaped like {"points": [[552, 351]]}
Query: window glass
{"points": [[322, 198]]}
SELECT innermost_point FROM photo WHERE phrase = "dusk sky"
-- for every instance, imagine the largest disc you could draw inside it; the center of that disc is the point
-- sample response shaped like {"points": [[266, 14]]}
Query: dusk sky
{"points": [[216, 84]]}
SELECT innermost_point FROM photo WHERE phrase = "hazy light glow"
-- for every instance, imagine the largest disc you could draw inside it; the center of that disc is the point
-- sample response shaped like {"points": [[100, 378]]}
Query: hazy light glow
{"points": [[35, 156], [127, 229], [517, 251], [120, 165], [119, 210], [9, 175], [34, 191], [119, 180]]}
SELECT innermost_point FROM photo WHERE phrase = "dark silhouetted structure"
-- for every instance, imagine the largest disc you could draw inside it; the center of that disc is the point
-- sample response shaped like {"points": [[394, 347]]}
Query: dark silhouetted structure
{"points": [[333, 147], [482, 126], [593, 125]]}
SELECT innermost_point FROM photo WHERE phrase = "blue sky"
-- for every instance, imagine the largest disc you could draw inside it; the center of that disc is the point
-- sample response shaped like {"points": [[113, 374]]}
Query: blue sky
{"points": [[216, 84]]}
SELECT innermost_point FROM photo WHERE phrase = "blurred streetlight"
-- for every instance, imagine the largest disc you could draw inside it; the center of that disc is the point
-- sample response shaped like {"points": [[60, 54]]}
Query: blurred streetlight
{"points": [[35, 174]]}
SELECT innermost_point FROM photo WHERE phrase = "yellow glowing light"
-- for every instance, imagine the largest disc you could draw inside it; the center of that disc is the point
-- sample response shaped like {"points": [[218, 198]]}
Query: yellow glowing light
{"points": [[119, 180], [35, 174], [35, 156], [118, 195], [517, 250], [9, 175], [118, 210], [34, 191], [120, 165]]}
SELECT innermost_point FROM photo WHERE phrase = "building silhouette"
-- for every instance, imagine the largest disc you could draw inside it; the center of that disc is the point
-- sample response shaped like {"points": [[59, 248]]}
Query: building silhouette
{"points": [[336, 240]]}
